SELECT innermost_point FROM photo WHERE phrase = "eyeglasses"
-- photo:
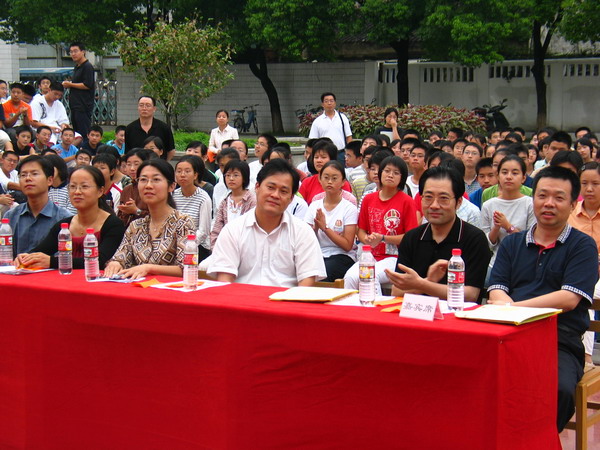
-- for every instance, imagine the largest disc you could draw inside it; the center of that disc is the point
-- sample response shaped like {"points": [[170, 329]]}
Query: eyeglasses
{"points": [[443, 200], [82, 188], [471, 153], [145, 105], [232, 176], [156, 180]]}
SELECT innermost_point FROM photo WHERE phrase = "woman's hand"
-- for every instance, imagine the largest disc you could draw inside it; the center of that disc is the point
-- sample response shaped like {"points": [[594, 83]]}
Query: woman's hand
{"points": [[320, 220], [112, 268], [136, 271], [128, 208], [500, 220], [33, 260]]}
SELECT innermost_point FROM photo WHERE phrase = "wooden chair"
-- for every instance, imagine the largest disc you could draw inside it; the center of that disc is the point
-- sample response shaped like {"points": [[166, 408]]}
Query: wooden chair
{"points": [[587, 386], [339, 283]]}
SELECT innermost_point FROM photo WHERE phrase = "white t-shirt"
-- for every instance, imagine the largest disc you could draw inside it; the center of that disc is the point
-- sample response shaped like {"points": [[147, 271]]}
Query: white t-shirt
{"points": [[345, 213], [255, 167], [303, 166], [283, 257], [298, 208], [414, 187], [332, 128], [53, 116], [13, 177], [217, 137]]}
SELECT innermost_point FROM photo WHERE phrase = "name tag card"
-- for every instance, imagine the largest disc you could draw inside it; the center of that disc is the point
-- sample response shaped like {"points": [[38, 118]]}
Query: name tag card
{"points": [[421, 307]]}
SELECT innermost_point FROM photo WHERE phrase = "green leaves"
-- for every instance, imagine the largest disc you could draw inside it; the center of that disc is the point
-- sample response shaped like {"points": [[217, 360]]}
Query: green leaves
{"points": [[179, 64]]}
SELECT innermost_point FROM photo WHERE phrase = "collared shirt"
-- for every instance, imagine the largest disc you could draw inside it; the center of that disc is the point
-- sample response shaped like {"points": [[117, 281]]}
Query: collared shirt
{"points": [[283, 257], [64, 154], [217, 137], [472, 187], [28, 230], [581, 220], [337, 128], [135, 135], [418, 250], [523, 269], [83, 99]]}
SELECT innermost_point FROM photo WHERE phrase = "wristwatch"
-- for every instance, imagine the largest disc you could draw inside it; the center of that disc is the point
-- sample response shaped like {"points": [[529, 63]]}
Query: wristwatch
{"points": [[512, 229], [138, 212]]}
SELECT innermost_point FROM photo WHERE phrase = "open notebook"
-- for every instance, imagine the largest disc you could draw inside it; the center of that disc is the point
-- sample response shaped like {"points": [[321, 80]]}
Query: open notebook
{"points": [[311, 294], [515, 315]]}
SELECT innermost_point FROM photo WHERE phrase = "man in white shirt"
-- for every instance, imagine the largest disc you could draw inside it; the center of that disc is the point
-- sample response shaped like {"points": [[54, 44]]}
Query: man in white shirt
{"points": [[9, 177], [48, 110], [331, 123], [267, 245]]}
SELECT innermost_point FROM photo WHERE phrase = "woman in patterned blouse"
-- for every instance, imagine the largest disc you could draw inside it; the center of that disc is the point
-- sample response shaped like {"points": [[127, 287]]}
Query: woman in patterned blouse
{"points": [[155, 243]]}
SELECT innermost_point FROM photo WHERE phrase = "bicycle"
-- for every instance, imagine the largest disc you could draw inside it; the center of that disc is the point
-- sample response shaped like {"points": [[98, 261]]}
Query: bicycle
{"points": [[240, 122]]}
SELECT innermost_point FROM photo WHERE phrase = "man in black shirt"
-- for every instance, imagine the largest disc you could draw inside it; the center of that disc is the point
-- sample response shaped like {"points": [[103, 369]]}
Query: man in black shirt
{"points": [[424, 251], [81, 96], [147, 125]]}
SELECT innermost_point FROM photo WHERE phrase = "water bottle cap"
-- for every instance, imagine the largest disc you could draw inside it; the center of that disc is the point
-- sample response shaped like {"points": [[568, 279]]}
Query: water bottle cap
{"points": [[89, 231], [456, 252], [64, 226], [191, 237], [5, 221], [366, 248]]}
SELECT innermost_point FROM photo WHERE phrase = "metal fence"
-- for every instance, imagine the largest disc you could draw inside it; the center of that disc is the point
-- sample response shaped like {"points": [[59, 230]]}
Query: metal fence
{"points": [[105, 103]]}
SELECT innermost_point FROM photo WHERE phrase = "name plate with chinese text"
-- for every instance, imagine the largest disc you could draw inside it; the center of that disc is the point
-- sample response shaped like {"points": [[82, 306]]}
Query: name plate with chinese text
{"points": [[421, 307]]}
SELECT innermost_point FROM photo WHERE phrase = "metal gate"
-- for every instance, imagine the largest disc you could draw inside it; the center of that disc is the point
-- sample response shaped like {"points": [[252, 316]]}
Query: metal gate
{"points": [[105, 103]]}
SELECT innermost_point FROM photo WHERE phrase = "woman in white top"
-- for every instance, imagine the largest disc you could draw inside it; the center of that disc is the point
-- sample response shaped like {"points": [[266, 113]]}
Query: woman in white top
{"points": [[240, 199], [511, 211], [334, 220], [193, 201], [222, 133]]}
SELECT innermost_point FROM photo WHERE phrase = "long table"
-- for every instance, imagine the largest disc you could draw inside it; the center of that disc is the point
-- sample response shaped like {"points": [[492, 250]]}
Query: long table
{"points": [[112, 366]]}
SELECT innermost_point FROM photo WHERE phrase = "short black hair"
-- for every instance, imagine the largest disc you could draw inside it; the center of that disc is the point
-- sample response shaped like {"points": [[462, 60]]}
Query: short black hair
{"points": [[78, 44], [43, 127], [397, 162], [228, 152], [105, 158], [43, 161], [375, 137], [515, 158], [152, 99], [244, 169], [323, 146], [459, 132], [584, 128], [483, 162], [48, 151], [561, 136], [109, 149], [516, 136], [67, 129], [380, 155], [281, 149], [97, 129], [59, 164], [83, 151], [196, 163], [271, 140], [120, 128], [16, 85], [8, 153], [354, 147], [411, 131], [327, 94], [29, 89], [56, 86], [337, 165], [559, 173], [568, 157], [279, 166], [23, 129], [443, 156], [477, 146], [444, 173], [201, 145]]}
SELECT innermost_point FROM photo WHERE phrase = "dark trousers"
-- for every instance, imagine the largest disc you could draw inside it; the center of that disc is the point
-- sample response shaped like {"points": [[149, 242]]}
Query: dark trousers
{"points": [[571, 357], [337, 266], [81, 121]]}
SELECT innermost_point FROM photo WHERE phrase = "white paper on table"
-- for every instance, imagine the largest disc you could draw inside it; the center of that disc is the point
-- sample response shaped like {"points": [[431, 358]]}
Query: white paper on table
{"points": [[12, 270], [178, 285], [353, 300], [117, 280], [445, 310]]}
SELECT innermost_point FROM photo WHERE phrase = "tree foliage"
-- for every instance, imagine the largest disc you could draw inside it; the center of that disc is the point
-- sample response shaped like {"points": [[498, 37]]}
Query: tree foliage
{"points": [[178, 64]]}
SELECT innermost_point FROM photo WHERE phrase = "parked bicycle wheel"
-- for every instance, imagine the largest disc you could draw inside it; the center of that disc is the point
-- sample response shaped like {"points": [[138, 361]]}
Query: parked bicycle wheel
{"points": [[255, 124], [239, 124]]}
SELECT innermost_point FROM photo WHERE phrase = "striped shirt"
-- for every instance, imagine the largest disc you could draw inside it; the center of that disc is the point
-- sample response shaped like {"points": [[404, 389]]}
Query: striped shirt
{"points": [[198, 207], [60, 197]]}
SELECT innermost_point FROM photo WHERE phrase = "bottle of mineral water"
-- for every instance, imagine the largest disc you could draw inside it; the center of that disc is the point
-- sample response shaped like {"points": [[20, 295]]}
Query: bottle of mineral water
{"points": [[190, 263], [366, 277], [65, 250], [90, 256], [456, 281], [6, 243]]}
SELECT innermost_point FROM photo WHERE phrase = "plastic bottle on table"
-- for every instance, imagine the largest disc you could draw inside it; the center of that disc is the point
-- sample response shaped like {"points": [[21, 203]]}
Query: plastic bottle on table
{"points": [[90, 256], [65, 250], [6, 243], [366, 277], [456, 281], [190, 263]]}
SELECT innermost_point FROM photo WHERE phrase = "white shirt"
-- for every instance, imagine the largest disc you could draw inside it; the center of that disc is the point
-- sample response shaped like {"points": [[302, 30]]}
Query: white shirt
{"points": [[288, 254], [255, 167], [345, 213], [298, 208], [414, 187], [13, 177], [220, 191], [53, 116], [217, 137], [303, 166], [323, 126]]}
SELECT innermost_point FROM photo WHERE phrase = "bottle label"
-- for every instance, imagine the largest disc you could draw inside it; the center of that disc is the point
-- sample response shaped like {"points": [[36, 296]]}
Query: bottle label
{"points": [[190, 259], [65, 246], [5, 240], [456, 277], [90, 252], [366, 272]]}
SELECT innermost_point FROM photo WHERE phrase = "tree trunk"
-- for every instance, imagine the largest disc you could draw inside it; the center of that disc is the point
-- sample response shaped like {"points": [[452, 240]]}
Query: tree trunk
{"points": [[538, 70], [401, 48], [258, 66]]}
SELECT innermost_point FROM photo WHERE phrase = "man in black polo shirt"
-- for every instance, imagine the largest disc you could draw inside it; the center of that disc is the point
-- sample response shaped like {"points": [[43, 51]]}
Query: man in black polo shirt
{"points": [[552, 265], [147, 125], [81, 94], [424, 251]]}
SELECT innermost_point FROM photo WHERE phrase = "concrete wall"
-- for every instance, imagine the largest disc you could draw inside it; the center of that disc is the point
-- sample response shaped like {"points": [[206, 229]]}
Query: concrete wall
{"points": [[9, 61], [573, 94], [298, 85]]}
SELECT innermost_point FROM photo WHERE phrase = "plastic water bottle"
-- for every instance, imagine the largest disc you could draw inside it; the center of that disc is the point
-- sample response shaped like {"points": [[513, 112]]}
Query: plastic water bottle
{"points": [[90, 256], [456, 281], [6, 243], [366, 277], [65, 250], [190, 263]]}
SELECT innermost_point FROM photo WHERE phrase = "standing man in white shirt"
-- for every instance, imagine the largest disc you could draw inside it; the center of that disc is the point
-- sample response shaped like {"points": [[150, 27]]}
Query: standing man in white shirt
{"points": [[332, 124], [267, 245]]}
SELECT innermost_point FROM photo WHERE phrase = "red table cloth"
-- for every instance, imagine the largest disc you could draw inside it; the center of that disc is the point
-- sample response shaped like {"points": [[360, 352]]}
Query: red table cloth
{"points": [[105, 365]]}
